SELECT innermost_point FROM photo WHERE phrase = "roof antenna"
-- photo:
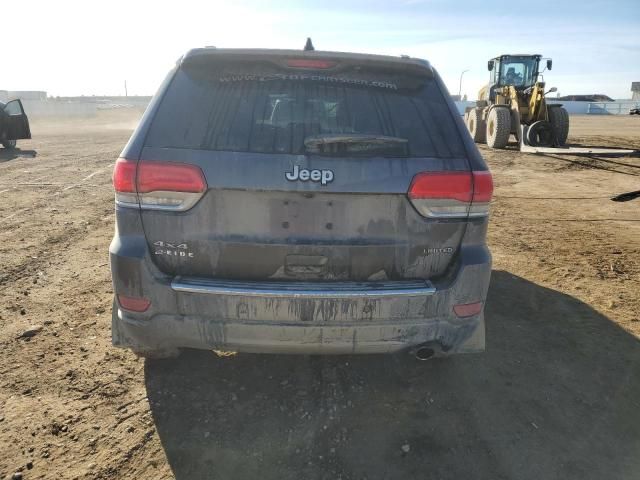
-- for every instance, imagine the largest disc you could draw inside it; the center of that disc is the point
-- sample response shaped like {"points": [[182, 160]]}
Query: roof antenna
{"points": [[308, 46]]}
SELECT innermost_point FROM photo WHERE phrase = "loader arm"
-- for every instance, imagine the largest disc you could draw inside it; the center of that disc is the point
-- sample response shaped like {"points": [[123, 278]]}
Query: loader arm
{"points": [[537, 104]]}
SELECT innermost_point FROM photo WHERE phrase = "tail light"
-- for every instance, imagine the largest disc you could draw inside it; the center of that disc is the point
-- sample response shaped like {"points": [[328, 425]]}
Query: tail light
{"points": [[451, 194], [157, 185]]}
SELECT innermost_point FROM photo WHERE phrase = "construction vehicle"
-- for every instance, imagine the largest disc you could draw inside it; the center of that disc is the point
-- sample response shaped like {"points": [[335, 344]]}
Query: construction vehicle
{"points": [[514, 103]]}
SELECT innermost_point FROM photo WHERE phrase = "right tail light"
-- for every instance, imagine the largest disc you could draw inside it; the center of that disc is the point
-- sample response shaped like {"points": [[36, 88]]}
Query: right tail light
{"points": [[451, 194]]}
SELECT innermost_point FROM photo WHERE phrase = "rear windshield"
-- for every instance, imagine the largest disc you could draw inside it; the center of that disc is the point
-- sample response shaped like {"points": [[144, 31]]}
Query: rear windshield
{"points": [[255, 108]]}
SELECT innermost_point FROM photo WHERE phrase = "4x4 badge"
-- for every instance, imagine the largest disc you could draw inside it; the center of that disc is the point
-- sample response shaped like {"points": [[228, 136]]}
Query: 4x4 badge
{"points": [[302, 174], [172, 249]]}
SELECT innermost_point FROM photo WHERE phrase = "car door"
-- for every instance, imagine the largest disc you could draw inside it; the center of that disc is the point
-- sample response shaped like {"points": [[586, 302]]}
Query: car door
{"points": [[16, 123]]}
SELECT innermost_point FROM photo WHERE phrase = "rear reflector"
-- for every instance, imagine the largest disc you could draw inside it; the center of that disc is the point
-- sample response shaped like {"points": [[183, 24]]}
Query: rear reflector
{"points": [[134, 304], [157, 185], [467, 309], [451, 194], [310, 63]]}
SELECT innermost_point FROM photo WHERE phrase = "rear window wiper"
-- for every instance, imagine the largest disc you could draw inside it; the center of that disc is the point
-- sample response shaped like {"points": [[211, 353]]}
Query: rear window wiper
{"points": [[357, 144]]}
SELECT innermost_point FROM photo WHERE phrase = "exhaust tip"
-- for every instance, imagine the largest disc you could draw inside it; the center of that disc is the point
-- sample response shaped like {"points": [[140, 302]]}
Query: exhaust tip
{"points": [[424, 353]]}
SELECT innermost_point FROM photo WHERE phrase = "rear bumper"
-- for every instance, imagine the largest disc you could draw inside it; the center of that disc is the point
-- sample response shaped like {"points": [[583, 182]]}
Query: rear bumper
{"points": [[299, 318], [170, 331]]}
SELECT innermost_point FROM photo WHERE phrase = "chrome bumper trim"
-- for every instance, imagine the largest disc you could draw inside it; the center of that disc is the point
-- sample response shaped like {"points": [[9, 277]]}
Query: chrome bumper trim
{"points": [[303, 289]]}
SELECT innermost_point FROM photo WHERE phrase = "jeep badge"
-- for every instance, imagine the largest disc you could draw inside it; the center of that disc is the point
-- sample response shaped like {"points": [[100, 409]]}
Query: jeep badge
{"points": [[322, 176]]}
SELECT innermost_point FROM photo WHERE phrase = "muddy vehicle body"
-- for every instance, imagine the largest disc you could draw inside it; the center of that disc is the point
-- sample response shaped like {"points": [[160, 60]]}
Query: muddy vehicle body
{"points": [[14, 123], [281, 201]]}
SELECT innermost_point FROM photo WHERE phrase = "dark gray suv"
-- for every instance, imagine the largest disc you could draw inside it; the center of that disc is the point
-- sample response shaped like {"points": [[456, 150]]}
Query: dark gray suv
{"points": [[300, 202]]}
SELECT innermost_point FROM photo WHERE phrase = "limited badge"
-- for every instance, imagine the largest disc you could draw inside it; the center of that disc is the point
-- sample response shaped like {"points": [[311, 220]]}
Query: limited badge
{"points": [[430, 251]]}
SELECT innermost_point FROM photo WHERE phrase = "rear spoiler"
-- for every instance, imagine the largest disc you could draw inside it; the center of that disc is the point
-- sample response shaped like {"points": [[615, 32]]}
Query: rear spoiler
{"points": [[413, 66]]}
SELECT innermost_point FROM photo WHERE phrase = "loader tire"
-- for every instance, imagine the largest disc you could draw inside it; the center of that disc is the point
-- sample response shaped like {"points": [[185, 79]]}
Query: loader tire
{"points": [[559, 119], [498, 127], [9, 144], [477, 126], [540, 134]]}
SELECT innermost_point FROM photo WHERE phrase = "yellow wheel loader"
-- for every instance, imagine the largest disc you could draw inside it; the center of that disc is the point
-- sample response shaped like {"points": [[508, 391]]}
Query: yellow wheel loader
{"points": [[513, 103]]}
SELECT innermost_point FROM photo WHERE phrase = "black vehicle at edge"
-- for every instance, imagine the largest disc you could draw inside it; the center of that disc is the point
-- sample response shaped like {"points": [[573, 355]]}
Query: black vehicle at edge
{"points": [[14, 124]]}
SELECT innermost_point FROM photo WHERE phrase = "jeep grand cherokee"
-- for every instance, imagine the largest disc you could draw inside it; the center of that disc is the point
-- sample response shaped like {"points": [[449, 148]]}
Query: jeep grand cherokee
{"points": [[300, 202]]}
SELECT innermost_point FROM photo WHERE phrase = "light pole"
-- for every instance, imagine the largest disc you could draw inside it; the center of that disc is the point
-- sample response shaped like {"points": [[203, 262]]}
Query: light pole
{"points": [[460, 89]]}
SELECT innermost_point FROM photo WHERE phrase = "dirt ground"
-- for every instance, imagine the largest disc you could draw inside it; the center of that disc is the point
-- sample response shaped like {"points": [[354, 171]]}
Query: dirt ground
{"points": [[555, 396]]}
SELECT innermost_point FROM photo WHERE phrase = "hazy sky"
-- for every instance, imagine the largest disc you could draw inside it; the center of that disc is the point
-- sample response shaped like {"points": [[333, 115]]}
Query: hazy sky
{"points": [[85, 47]]}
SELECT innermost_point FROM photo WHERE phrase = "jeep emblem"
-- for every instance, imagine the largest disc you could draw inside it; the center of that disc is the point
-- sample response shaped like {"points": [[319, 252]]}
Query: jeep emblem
{"points": [[304, 175]]}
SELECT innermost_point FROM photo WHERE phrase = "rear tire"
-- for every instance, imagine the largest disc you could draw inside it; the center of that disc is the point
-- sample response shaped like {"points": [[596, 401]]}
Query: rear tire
{"points": [[498, 127], [559, 119], [9, 144], [477, 126]]}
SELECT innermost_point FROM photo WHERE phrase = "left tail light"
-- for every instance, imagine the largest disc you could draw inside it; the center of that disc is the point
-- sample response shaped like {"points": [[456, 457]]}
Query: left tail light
{"points": [[157, 185]]}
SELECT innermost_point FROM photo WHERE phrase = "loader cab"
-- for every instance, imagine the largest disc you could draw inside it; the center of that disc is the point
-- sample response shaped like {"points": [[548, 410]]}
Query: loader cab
{"points": [[519, 71]]}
